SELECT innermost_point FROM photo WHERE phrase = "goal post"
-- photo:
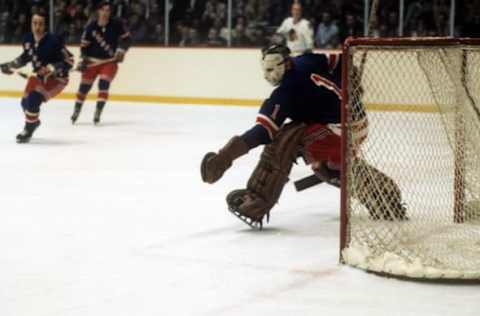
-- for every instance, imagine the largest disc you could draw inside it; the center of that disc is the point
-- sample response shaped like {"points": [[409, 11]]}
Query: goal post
{"points": [[410, 195]]}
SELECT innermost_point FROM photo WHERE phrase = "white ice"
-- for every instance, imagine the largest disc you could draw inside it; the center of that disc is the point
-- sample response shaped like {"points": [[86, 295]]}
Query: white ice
{"points": [[115, 220]]}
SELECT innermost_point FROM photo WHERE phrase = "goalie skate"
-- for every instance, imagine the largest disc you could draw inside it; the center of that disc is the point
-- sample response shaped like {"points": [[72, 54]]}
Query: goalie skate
{"points": [[235, 200], [255, 224]]}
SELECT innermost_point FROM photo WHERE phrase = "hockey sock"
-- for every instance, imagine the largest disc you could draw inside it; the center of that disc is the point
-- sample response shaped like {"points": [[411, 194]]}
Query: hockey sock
{"points": [[31, 106], [82, 94]]}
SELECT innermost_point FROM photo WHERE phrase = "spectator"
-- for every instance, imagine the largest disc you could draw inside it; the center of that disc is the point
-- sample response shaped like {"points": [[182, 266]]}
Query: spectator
{"points": [[138, 28], [158, 36], [298, 31], [258, 17], [239, 8], [74, 33], [183, 32], [420, 30], [327, 33], [472, 27], [257, 36], [20, 29], [221, 27], [214, 39], [391, 24], [190, 37], [350, 27], [4, 26], [240, 38], [413, 13], [194, 37], [186, 9], [210, 14]]}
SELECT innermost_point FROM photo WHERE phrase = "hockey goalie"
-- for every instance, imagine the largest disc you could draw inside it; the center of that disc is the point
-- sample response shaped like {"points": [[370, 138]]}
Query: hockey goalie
{"points": [[301, 118]]}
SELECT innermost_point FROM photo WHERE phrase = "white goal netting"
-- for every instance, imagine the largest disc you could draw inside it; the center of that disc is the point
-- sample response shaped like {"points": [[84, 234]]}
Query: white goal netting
{"points": [[412, 188]]}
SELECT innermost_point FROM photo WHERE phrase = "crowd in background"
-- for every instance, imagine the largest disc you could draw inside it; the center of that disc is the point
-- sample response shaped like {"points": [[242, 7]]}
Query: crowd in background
{"points": [[255, 23]]}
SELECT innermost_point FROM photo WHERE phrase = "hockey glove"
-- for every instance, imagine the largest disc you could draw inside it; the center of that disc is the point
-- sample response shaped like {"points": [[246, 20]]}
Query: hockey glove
{"points": [[119, 56], [6, 68], [60, 72], [82, 65], [43, 71]]}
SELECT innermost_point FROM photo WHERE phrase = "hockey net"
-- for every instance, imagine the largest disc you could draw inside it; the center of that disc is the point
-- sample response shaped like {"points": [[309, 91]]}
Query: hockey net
{"points": [[411, 189]]}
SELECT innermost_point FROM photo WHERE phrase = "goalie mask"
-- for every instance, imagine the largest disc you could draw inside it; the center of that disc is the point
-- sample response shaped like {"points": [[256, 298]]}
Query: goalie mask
{"points": [[273, 63]]}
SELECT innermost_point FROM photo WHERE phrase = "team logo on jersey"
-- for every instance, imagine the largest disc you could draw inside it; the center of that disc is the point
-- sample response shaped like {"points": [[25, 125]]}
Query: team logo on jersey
{"points": [[102, 43]]}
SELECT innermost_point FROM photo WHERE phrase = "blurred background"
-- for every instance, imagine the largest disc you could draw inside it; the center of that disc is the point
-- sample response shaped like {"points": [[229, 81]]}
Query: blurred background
{"points": [[248, 23]]}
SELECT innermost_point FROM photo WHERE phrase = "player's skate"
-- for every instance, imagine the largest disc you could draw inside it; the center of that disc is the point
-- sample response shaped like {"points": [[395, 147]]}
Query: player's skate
{"points": [[76, 113], [26, 134], [98, 114]]}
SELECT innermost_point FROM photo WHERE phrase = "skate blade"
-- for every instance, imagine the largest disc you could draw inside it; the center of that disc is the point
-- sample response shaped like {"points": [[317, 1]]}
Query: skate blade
{"points": [[74, 119], [258, 225], [23, 141]]}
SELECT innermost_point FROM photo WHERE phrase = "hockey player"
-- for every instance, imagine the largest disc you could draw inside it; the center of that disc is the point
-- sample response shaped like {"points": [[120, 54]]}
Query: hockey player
{"points": [[308, 94], [104, 43], [51, 63]]}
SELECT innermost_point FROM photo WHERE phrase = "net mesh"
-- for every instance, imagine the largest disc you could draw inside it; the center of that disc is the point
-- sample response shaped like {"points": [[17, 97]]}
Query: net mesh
{"points": [[412, 186]]}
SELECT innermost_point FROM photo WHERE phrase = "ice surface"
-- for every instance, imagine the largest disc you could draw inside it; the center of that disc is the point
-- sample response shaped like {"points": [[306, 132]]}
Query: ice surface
{"points": [[114, 220]]}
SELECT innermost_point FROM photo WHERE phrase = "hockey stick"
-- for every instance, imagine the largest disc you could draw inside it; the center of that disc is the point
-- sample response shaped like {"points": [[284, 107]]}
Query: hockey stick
{"points": [[307, 182], [26, 75], [23, 74], [99, 62]]}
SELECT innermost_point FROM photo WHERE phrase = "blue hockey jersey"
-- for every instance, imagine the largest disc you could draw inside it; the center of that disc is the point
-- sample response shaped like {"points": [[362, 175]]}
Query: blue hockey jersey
{"points": [[102, 42], [49, 50], [309, 92]]}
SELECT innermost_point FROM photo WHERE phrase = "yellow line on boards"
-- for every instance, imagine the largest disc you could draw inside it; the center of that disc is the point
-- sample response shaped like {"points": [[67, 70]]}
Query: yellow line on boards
{"points": [[154, 99], [421, 108], [416, 108], [186, 100]]}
